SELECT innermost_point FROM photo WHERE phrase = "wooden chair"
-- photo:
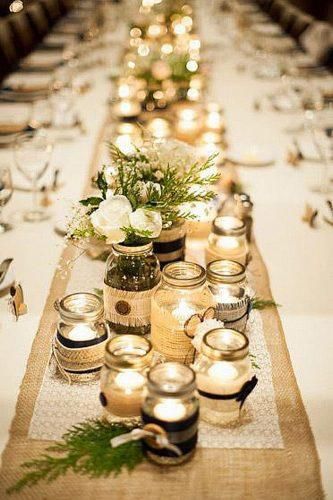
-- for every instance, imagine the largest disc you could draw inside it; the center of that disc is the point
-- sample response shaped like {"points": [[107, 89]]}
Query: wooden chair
{"points": [[24, 36], [8, 54], [38, 20]]}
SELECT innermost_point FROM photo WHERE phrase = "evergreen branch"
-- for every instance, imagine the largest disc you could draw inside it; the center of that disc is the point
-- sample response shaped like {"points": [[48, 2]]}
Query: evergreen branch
{"points": [[260, 304], [254, 364], [85, 450], [92, 201]]}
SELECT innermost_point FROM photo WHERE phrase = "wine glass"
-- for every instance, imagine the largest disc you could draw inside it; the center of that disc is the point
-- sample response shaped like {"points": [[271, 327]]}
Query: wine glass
{"points": [[6, 191], [32, 154], [320, 126]]}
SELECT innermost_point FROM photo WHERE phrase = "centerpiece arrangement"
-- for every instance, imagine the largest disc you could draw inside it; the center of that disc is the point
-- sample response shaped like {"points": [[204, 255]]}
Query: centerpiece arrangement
{"points": [[141, 197]]}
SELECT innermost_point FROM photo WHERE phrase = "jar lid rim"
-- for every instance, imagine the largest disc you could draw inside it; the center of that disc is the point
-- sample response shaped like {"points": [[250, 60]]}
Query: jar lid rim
{"points": [[124, 362], [67, 313], [219, 275], [175, 391], [236, 226], [174, 274], [231, 354]]}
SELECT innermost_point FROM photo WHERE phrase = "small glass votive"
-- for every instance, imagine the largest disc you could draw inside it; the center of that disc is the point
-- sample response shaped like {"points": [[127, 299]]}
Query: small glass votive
{"points": [[127, 108], [123, 377], [227, 240], [81, 336], [223, 370], [226, 280], [171, 404], [182, 293]]}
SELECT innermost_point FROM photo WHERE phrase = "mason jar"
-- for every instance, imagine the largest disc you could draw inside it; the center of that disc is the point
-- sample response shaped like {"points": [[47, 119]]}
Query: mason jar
{"points": [[182, 294], [81, 336], [172, 405], [227, 281], [223, 370], [227, 240], [124, 375], [132, 274]]}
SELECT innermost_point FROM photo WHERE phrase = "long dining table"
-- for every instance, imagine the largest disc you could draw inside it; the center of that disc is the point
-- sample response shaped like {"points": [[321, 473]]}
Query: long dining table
{"points": [[298, 257]]}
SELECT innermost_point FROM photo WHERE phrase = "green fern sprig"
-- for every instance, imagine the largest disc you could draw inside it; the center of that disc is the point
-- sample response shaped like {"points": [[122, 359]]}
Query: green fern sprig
{"points": [[260, 304], [85, 450]]}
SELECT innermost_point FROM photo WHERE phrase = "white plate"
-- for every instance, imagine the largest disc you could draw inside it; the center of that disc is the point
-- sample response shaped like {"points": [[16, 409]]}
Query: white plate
{"points": [[251, 156]]}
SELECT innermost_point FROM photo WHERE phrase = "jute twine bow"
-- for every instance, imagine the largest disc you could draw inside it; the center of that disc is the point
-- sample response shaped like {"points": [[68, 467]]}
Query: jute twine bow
{"points": [[154, 434]]}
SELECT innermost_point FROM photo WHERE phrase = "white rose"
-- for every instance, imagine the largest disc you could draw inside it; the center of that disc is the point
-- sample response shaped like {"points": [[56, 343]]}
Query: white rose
{"points": [[112, 215], [143, 220]]}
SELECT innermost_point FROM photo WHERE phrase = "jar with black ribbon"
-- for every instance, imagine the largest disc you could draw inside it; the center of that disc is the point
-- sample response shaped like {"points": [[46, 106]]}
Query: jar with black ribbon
{"points": [[224, 378], [171, 410]]}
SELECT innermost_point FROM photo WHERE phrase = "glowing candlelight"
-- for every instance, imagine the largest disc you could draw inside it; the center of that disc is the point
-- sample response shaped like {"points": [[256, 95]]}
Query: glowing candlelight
{"points": [[223, 371], [130, 381], [81, 332], [170, 410], [159, 127], [183, 311], [127, 108]]}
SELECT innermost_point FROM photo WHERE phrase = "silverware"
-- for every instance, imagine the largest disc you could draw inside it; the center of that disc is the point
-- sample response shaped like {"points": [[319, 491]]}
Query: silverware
{"points": [[4, 266]]}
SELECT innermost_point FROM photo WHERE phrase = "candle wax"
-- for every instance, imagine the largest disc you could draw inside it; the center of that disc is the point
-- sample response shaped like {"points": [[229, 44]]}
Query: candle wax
{"points": [[183, 311], [129, 381], [81, 332], [170, 411]]}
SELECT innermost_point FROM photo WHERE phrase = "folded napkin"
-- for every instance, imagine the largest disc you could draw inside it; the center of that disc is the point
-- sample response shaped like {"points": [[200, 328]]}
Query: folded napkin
{"points": [[317, 40], [28, 82], [13, 117], [43, 59]]}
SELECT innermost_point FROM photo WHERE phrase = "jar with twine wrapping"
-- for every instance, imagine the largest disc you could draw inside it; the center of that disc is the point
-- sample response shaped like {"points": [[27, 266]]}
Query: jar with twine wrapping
{"points": [[132, 274], [79, 343], [226, 281], [170, 245], [182, 295]]}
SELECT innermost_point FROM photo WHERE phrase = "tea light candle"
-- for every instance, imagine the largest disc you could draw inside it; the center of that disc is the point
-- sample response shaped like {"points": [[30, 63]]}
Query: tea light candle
{"points": [[81, 332], [187, 124], [127, 108], [183, 311], [170, 410], [159, 128]]}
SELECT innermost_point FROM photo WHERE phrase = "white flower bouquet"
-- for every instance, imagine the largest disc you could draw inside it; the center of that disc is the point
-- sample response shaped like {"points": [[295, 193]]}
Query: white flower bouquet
{"points": [[142, 193]]}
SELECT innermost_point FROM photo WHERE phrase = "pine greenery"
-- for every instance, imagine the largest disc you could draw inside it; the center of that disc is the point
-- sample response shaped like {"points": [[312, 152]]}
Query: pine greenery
{"points": [[260, 304], [85, 450]]}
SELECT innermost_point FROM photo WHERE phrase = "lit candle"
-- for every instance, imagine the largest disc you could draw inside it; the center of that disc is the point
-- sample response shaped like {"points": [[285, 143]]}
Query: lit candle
{"points": [[187, 124], [130, 381], [170, 410], [183, 311], [159, 127], [127, 108], [81, 332]]}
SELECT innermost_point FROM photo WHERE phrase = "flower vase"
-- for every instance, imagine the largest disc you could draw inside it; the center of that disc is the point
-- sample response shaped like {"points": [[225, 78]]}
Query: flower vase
{"points": [[132, 274]]}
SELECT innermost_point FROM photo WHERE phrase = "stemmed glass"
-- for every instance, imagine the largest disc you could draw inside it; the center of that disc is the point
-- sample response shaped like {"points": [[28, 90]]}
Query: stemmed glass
{"points": [[32, 154], [320, 126], [6, 191]]}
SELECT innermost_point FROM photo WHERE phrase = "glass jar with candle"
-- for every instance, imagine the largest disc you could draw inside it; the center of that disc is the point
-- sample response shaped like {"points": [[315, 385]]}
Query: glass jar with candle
{"points": [[172, 406], [132, 273], [227, 282], [81, 336], [223, 370], [182, 294], [227, 240], [123, 377]]}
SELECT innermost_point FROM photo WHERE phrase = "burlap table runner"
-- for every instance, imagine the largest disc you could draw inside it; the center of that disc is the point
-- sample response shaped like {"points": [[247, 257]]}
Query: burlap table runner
{"points": [[289, 473]]}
